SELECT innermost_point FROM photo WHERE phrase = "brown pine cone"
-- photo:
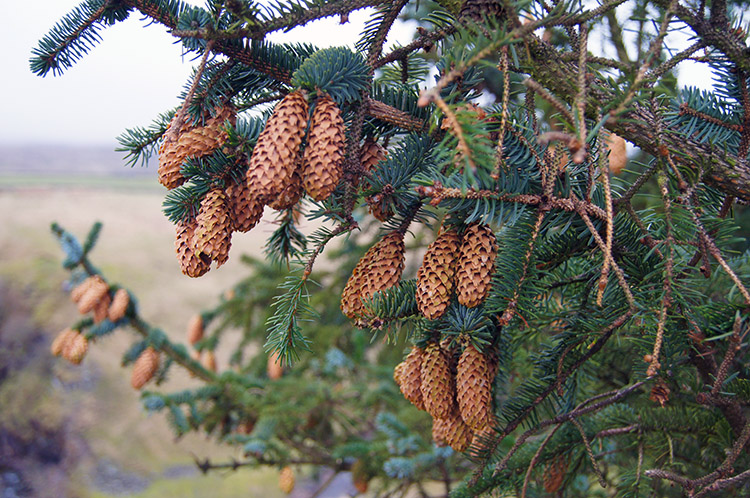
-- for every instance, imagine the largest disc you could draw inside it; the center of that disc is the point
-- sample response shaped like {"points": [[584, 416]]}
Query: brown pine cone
{"points": [[274, 367], [192, 263], [195, 329], [144, 368], [411, 377], [60, 343], [213, 232], [435, 276], [101, 310], [360, 475], [274, 158], [474, 389], [286, 480], [437, 383], [209, 361], [119, 306], [95, 292], [379, 269], [457, 434], [322, 163], [554, 474], [370, 154], [290, 195], [379, 207], [191, 141], [475, 265], [76, 348], [245, 209]]}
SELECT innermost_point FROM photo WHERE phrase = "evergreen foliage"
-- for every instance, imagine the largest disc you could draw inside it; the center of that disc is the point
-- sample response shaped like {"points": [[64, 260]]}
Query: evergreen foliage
{"points": [[615, 319]]}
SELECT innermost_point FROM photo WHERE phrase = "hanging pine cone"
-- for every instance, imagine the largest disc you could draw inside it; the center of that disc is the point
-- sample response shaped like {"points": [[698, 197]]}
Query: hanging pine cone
{"points": [[209, 361], [60, 343], [191, 141], [370, 154], [192, 263], [480, 441], [475, 265], [379, 269], [322, 163], [245, 209], [144, 368], [290, 195], [76, 348], [456, 433], [474, 388], [119, 306], [213, 232], [195, 329], [554, 474], [275, 154], [360, 475], [286, 479], [95, 291], [437, 386], [435, 276], [274, 367], [380, 207], [411, 377]]}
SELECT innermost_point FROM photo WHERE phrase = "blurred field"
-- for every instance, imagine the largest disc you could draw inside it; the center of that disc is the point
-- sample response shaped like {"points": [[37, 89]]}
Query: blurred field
{"points": [[113, 448]]}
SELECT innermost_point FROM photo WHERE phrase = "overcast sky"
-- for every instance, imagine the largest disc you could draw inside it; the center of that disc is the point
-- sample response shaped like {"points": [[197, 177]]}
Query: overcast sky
{"points": [[135, 73]]}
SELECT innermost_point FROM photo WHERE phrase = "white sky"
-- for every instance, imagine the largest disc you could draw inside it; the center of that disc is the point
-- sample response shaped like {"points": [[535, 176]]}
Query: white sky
{"points": [[125, 81]]}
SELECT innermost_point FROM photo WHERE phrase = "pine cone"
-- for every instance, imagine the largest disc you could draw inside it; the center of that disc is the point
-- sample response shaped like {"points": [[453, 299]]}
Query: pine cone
{"points": [[144, 368], [95, 291], [274, 158], [435, 276], [286, 480], [60, 343], [191, 262], [398, 373], [457, 434], [209, 361], [411, 378], [76, 348], [119, 305], [379, 207], [360, 475], [475, 265], [195, 329], [554, 474], [191, 141], [245, 209], [80, 290], [370, 154], [274, 367], [437, 386], [478, 10], [618, 153], [290, 195], [439, 431], [379, 269], [322, 163], [479, 443], [101, 310], [474, 389], [213, 232]]}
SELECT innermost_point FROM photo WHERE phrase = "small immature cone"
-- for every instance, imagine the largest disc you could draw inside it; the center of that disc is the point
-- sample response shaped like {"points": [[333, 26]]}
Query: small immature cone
{"points": [[101, 310], [97, 289], [275, 154], [286, 479], [322, 163], [119, 306], [618, 153], [245, 209], [438, 390], [213, 232], [474, 388], [379, 269], [191, 262], [191, 141], [435, 276], [144, 368], [290, 195], [209, 361], [274, 367], [60, 343], [195, 329], [411, 377], [475, 265], [80, 290], [76, 348]]}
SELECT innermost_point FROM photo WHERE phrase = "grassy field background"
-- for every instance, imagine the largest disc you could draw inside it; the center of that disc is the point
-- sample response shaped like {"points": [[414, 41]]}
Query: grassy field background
{"points": [[115, 448]]}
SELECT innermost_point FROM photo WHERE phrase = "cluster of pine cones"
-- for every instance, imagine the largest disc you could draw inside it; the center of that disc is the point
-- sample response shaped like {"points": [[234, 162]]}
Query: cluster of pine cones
{"points": [[94, 296], [457, 393], [277, 173]]}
